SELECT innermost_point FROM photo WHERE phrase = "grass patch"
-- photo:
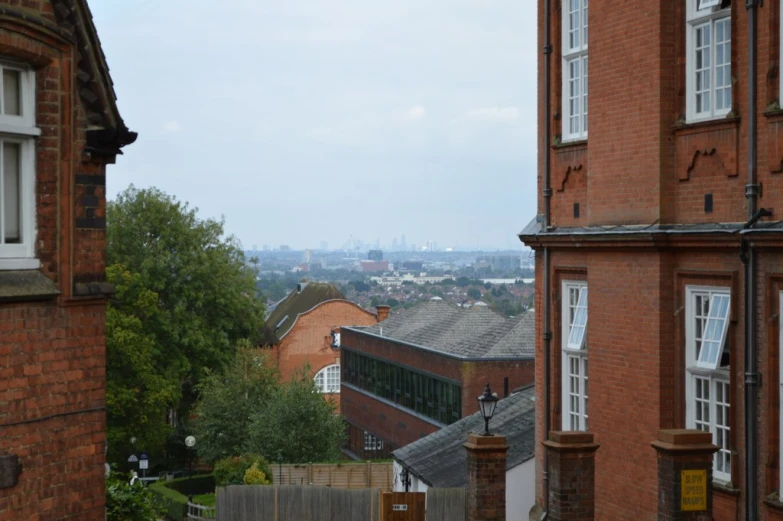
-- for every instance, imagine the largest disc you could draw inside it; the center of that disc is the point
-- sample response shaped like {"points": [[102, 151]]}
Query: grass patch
{"points": [[208, 500]]}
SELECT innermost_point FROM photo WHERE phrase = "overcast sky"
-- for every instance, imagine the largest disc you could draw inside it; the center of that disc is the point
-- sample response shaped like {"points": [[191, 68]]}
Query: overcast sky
{"points": [[301, 121]]}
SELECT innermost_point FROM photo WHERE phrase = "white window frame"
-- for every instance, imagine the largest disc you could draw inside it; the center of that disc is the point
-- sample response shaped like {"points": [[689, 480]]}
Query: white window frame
{"points": [[21, 129], [372, 443], [707, 389], [576, 55], [327, 380], [574, 371], [695, 19]]}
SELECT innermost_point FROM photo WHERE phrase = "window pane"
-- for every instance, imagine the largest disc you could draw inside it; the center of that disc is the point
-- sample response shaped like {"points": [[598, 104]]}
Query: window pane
{"points": [[11, 193], [11, 102], [576, 334]]}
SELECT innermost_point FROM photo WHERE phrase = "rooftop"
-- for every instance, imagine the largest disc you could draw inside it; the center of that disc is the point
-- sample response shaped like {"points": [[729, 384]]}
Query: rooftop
{"points": [[440, 460], [302, 299], [476, 332]]}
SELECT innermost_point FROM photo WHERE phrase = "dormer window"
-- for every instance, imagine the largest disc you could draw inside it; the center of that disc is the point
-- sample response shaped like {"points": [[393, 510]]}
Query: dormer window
{"points": [[17, 167]]}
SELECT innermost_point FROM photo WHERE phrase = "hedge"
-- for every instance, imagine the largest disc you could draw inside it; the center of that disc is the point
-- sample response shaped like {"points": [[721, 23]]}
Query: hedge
{"points": [[172, 493]]}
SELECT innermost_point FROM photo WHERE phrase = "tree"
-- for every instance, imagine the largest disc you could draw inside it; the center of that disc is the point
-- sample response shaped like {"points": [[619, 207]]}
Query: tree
{"points": [[204, 293], [474, 293], [360, 286], [297, 424], [137, 392], [228, 399], [392, 302]]}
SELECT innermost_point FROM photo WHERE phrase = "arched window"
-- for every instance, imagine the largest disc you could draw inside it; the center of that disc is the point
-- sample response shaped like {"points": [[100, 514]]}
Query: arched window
{"points": [[327, 380]]}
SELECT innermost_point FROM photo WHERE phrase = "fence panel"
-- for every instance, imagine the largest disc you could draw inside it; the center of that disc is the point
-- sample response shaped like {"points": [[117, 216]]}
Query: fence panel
{"points": [[446, 504], [246, 503], [294, 503], [338, 475]]}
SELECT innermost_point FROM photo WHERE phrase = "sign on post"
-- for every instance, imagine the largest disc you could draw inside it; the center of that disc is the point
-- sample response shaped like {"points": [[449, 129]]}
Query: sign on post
{"points": [[693, 490], [132, 458]]}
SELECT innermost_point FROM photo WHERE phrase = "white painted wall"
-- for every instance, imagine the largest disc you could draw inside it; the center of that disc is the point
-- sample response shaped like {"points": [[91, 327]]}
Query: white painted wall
{"points": [[520, 491], [520, 488]]}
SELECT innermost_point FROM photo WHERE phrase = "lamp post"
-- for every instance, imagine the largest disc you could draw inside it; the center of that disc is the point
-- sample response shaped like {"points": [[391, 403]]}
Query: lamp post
{"points": [[487, 403], [190, 442]]}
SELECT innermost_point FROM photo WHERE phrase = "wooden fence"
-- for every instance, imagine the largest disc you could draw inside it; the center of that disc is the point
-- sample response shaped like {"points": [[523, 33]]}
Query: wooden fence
{"points": [[294, 503], [446, 504], [342, 475]]}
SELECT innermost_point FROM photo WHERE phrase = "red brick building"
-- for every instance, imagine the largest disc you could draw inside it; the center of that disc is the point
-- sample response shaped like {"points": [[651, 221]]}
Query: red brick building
{"points": [[59, 128], [423, 368], [304, 328], [669, 211]]}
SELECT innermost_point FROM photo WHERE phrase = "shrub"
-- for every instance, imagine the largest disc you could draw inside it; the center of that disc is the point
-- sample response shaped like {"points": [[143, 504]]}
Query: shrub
{"points": [[172, 494], [255, 476], [231, 471], [129, 503]]}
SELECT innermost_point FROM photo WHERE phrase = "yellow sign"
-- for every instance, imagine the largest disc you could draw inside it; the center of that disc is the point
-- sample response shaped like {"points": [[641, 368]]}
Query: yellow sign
{"points": [[693, 490]]}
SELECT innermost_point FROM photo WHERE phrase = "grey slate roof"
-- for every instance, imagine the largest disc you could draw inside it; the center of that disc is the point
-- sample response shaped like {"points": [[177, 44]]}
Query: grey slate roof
{"points": [[476, 332], [440, 460]]}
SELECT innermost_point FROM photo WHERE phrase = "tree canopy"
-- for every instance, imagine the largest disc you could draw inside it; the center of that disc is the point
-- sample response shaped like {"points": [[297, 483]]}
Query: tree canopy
{"points": [[244, 409], [186, 296]]}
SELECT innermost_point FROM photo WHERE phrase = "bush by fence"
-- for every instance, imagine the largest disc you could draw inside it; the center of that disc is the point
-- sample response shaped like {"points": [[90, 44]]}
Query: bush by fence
{"points": [[173, 496]]}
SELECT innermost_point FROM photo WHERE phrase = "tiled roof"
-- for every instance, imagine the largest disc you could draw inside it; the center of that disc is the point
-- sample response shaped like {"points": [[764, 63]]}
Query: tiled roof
{"points": [[303, 298], [476, 332], [440, 460]]}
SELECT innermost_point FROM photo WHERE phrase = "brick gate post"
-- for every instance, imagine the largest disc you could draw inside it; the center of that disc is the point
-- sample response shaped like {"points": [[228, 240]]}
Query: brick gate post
{"points": [[571, 476], [486, 477], [684, 474]]}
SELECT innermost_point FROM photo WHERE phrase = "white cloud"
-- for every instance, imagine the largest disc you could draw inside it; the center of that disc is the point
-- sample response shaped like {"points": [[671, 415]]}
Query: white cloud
{"points": [[491, 115], [170, 127], [415, 113]]}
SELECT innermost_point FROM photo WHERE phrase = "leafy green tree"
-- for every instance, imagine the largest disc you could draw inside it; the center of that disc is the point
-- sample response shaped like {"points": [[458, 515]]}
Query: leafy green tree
{"points": [[204, 296], [393, 302], [297, 424], [137, 392], [474, 293], [360, 286], [228, 399]]}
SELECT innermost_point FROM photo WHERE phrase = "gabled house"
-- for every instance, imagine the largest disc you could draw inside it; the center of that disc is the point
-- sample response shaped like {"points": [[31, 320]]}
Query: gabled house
{"points": [[59, 128], [422, 368], [304, 328], [440, 459]]}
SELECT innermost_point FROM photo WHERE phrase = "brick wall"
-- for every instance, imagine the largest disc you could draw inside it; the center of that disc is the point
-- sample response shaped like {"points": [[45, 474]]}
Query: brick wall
{"points": [[52, 350], [642, 164], [310, 339]]}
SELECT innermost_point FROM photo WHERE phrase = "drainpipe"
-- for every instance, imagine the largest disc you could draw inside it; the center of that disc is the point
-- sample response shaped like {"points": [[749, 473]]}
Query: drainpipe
{"points": [[547, 192], [751, 355]]}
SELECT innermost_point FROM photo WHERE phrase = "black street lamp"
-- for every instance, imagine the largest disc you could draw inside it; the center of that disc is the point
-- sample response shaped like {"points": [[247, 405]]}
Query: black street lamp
{"points": [[190, 442], [487, 403]]}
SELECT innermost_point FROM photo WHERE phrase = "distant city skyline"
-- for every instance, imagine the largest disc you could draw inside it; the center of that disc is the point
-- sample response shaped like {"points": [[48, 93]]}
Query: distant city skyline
{"points": [[306, 121]]}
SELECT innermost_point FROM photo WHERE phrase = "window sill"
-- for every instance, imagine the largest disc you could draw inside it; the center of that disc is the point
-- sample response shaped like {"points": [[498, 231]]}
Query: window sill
{"points": [[725, 488], [773, 500], [19, 263], [695, 127], [574, 143], [26, 285]]}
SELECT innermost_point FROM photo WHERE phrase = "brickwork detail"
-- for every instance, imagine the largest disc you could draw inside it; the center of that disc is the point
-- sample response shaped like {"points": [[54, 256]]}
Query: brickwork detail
{"points": [[486, 477], [571, 476]]}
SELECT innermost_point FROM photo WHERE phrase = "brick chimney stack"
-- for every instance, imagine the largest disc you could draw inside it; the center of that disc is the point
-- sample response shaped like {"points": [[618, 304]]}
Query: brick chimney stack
{"points": [[383, 312]]}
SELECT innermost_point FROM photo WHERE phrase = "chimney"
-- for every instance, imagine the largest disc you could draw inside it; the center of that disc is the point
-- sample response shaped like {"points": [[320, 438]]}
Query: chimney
{"points": [[383, 312]]}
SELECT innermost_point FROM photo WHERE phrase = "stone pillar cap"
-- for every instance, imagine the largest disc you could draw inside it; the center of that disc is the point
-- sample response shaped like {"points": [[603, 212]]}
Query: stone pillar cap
{"points": [[480, 442], [684, 440]]}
